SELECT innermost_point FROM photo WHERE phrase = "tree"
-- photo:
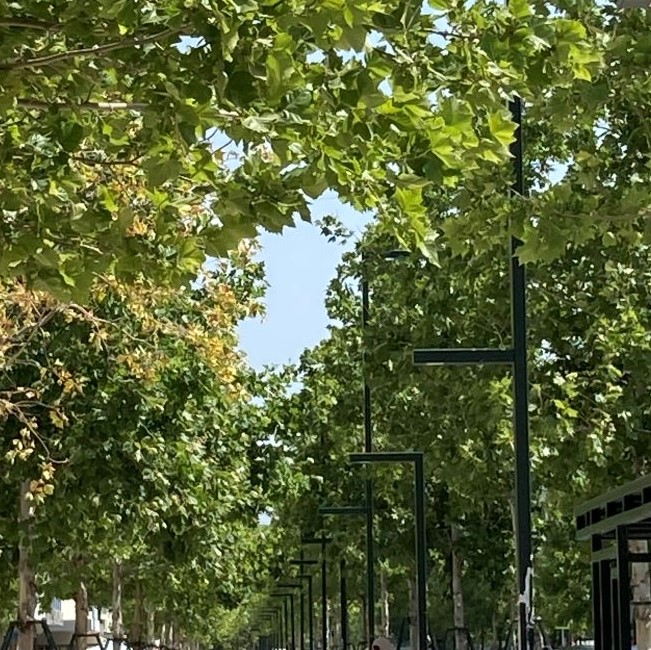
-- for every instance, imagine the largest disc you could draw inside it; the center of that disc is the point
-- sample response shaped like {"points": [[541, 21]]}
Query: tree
{"points": [[109, 115], [138, 407], [588, 360]]}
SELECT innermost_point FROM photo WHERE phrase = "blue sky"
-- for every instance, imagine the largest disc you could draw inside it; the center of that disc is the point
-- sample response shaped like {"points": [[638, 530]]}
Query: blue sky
{"points": [[299, 265]]}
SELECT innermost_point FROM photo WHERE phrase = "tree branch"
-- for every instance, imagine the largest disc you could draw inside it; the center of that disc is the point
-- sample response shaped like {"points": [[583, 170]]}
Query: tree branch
{"points": [[39, 105], [28, 23], [96, 50], [106, 163]]}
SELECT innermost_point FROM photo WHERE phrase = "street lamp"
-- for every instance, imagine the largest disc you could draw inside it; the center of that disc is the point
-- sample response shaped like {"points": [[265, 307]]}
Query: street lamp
{"points": [[415, 457], [289, 640], [276, 620], [269, 617], [324, 585], [343, 589], [292, 585], [302, 563], [516, 357], [368, 447]]}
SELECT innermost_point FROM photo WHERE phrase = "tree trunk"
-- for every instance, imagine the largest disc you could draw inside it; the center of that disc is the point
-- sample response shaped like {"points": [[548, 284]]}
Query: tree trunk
{"points": [[364, 619], [457, 591], [151, 623], [333, 627], [135, 635], [26, 580], [116, 614], [413, 615], [81, 616], [384, 603], [641, 585]]}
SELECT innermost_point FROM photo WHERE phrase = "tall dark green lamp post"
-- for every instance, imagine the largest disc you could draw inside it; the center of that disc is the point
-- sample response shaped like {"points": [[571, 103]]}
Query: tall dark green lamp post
{"points": [[516, 357], [322, 541], [343, 591], [415, 457], [303, 563], [368, 447], [274, 614], [292, 585], [288, 602]]}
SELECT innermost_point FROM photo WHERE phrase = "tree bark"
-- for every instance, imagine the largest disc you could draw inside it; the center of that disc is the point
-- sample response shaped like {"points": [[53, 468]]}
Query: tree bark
{"points": [[116, 613], [151, 623], [26, 579], [333, 627], [135, 636], [364, 619], [641, 585], [384, 603], [413, 615], [81, 616], [457, 591]]}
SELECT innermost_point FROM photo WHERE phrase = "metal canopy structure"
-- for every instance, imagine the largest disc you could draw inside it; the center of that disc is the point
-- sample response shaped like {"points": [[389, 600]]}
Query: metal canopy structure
{"points": [[610, 521]]}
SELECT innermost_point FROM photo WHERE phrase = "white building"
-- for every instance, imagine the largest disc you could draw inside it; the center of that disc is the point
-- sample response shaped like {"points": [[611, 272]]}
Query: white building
{"points": [[60, 618]]}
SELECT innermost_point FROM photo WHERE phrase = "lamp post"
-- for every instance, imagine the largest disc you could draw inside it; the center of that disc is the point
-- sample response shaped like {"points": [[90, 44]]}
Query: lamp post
{"points": [[269, 617], [281, 642], [343, 590], [516, 357], [368, 447], [415, 457], [297, 585], [292, 585], [279, 629], [302, 563], [286, 598], [322, 541]]}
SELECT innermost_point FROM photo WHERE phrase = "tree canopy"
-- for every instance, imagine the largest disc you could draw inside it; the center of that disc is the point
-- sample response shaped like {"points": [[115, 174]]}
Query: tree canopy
{"points": [[110, 112], [140, 140]]}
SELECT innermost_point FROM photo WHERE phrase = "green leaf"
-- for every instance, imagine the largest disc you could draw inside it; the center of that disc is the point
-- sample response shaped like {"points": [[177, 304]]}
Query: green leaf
{"points": [[440, 5], [520, 8], [162, 170], [72, 133], [502, 127]]}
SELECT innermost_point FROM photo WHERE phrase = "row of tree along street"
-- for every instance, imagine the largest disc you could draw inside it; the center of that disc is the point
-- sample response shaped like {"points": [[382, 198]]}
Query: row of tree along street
{"points": [[139, 141]]}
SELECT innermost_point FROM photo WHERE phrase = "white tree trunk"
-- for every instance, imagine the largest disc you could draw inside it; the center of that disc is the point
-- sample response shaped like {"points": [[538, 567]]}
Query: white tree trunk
{"points": [[81, 616], [641, 585], [457, 591], [116, 613], [26, 579], [384, 603], [413, 615]]}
